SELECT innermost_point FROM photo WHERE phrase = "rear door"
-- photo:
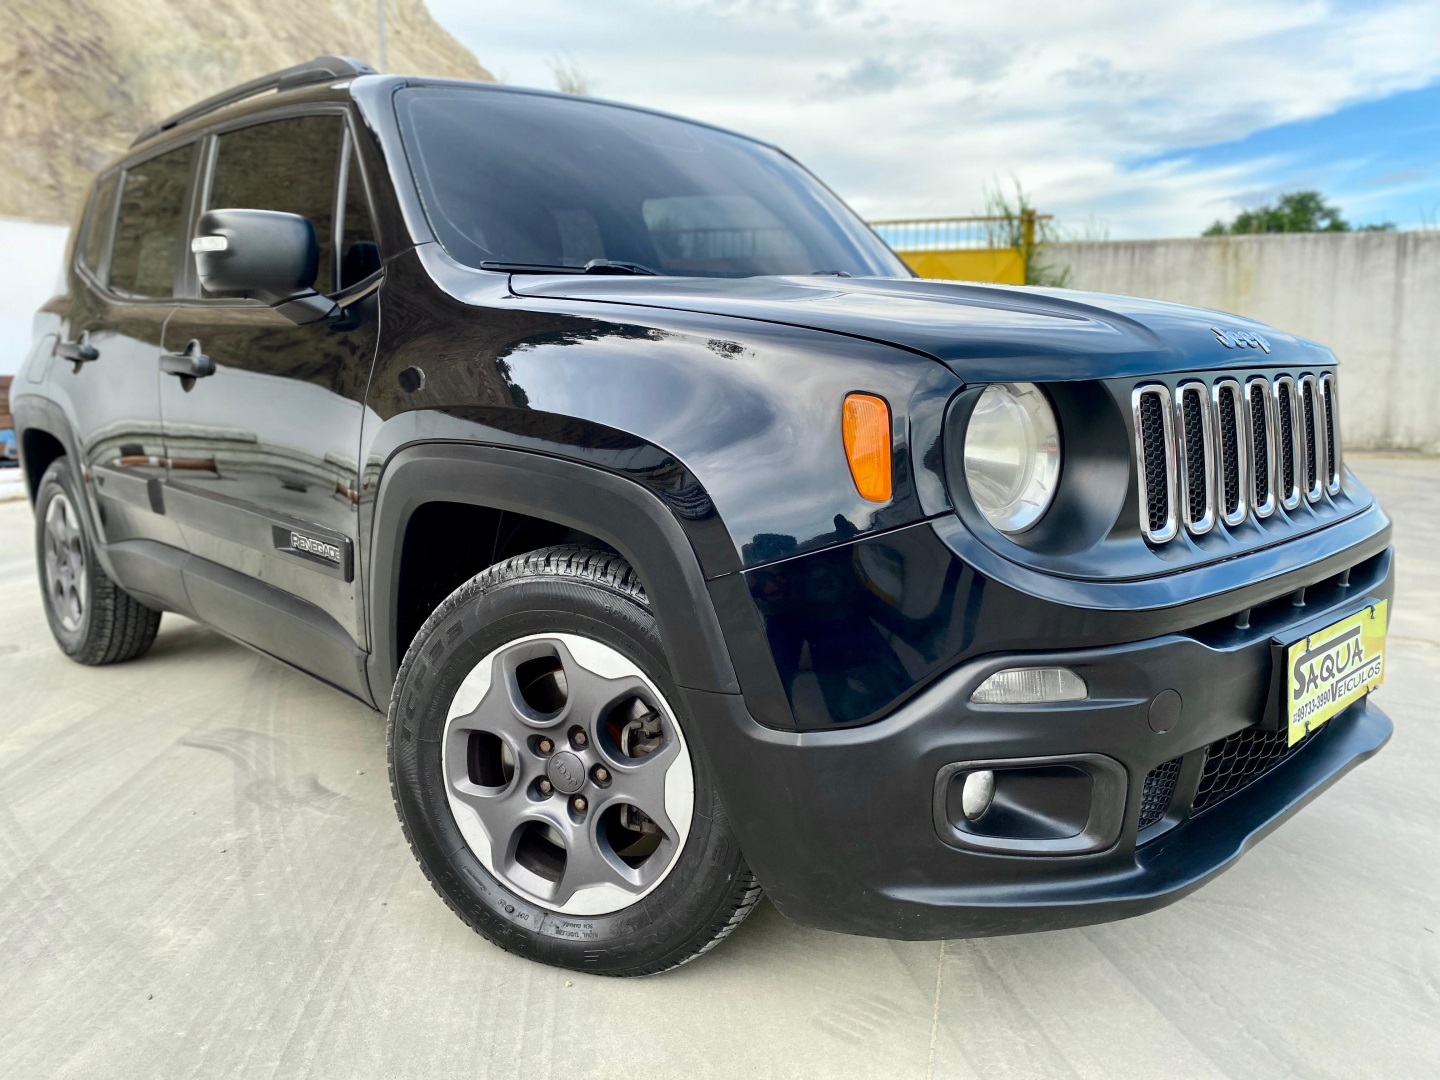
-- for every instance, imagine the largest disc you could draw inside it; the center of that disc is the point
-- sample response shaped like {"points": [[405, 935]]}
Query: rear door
{"points": [[104, 369], [263, 453]]}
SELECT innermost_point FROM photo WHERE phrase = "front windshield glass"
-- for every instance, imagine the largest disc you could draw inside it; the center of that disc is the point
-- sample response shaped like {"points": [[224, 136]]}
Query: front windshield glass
{"points": [[527, 179]]}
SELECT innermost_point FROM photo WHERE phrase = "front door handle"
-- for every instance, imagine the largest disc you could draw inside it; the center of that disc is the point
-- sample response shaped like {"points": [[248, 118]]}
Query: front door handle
{"points": [[79, 351], [189, 365]]}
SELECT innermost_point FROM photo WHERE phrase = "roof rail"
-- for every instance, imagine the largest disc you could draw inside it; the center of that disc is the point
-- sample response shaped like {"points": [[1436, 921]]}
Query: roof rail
{"points": [[321, 69]]}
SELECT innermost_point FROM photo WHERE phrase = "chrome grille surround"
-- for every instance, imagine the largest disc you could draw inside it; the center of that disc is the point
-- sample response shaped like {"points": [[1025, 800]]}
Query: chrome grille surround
{"points": [[1195, 455], [1330, 395], [1155, 452], [1312, 416], [1289, 448], [1232, 464], [1222, 449], [1260, 440]]}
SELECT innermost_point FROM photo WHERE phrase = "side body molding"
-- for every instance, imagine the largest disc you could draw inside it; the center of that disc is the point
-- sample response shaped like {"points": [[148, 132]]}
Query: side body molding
{"points": [[617, 511]]}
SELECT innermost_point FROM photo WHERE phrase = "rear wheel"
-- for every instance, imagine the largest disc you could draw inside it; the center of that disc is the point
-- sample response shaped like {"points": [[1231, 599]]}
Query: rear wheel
{"points": [[543, 775], [93, 620]]}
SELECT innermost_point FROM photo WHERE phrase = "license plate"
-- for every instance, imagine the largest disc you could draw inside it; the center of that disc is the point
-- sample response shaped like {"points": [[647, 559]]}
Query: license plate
{"points": [[1333, 668]]}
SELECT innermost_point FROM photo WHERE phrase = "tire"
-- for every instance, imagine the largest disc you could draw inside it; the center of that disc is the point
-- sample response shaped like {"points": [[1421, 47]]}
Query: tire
{"points": [[93, 620], [523, 656]]}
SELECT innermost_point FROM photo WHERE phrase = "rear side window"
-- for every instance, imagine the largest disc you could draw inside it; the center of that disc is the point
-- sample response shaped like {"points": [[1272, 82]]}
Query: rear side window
{"points": [[148, 231], [97, 226], [286, 165]]}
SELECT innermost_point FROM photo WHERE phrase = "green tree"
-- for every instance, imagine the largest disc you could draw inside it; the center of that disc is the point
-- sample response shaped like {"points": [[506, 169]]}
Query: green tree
{"points": [[1298, 211]]}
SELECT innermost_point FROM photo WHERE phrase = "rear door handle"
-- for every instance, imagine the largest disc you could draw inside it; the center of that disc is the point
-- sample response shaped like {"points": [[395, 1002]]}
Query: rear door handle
{"points": [[189, 365], [79, 351]]}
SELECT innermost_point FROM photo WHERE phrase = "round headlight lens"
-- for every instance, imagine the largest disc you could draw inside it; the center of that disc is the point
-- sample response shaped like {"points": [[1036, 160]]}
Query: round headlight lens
{"points": [[1012, 455]]}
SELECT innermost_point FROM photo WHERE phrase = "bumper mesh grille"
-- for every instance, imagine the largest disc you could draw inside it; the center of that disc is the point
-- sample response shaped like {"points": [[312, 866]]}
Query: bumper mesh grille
{"points": [[1158, 792], [1237, 760]]}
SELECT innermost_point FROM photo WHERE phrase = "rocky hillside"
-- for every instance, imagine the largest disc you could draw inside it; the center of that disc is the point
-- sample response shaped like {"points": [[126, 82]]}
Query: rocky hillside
{"points": [[79, 78]]}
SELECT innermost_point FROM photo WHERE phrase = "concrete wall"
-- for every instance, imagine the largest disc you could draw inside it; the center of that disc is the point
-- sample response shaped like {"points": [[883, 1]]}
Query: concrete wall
{"points": [[1373, 298]]}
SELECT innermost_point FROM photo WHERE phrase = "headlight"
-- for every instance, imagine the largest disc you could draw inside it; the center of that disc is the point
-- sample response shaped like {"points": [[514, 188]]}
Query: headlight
{"points": [[1012, 455]]}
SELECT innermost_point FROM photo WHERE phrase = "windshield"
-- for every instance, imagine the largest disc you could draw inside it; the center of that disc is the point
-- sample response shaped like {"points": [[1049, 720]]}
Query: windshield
{"points": [[526, 179]]}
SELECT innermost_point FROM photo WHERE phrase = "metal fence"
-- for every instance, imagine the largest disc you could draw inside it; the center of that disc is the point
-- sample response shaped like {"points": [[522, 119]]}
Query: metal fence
{"points": [[960, 233]]}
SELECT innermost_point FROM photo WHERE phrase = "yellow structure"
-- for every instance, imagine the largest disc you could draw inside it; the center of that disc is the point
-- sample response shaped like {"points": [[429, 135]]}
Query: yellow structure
{"points": [[1003, 265], [995, 249]]}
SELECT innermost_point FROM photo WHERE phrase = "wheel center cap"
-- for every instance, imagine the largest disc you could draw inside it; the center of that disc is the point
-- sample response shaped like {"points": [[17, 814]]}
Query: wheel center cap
{"points": [[566, 772]]}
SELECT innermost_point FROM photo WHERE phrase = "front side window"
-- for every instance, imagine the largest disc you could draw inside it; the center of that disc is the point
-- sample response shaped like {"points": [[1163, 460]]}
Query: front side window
{"points": [[285, 165], [523, 178], [148, 230], [359, 253], [97, 225]]}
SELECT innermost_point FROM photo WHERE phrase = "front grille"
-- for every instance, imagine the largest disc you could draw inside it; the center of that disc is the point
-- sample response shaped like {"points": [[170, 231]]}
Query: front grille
{"points": [[1231, 463], [1158, 792], [1225, 450], [1195, 457], [1262, 448], [1240, 759], [1287, 445], [1310, 410], [1332, 425], [1155, 453]]}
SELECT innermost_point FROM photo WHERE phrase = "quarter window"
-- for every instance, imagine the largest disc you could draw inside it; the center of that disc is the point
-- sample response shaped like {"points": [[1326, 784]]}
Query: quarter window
{"points": [[148, 232], [285, 165], [97, 227]]}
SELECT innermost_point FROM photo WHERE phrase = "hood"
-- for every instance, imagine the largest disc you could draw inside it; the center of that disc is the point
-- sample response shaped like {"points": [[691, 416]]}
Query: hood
{"points": [[981, 332]]}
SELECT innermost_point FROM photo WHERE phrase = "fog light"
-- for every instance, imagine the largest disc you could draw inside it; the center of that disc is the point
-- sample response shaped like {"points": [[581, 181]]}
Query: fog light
{"points": [[1030, 686], [977, 794]]}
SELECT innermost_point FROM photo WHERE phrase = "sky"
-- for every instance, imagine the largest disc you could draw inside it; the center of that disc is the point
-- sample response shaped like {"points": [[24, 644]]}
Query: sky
{"points": [[1123, 119]]}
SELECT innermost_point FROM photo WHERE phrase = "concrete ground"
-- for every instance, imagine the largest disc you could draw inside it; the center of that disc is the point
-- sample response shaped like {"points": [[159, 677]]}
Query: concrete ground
{"points": [[201, 875]]}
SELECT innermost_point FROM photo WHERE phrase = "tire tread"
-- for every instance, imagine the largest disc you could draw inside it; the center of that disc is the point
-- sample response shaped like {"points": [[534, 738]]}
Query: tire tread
{"points": [[119, 627], [608, 570]]}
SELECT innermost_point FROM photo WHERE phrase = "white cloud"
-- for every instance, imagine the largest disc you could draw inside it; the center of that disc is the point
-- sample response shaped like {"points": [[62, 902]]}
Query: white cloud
{"points": [[915, 108]]}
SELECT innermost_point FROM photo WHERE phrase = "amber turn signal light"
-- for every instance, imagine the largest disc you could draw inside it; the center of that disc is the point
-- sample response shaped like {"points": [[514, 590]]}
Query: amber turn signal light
{"points": [[865, 424]]}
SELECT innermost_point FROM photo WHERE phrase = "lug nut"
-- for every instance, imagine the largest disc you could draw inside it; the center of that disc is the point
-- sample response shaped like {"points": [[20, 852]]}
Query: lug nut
{"points": [[546, 746], [578, 804], [546, 787], [581, 738], [602, 774]]}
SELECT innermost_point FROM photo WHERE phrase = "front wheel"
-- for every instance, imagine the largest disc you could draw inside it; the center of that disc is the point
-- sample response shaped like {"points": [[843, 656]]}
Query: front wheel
{"points": [[542, 772]]}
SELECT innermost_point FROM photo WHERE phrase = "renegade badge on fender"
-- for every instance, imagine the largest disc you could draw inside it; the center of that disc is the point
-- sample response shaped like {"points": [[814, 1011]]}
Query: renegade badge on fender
{"points": [[694, 545]]}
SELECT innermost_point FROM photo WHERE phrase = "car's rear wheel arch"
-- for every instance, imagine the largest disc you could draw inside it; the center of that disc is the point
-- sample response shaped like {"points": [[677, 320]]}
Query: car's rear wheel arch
{"points": [[38, 448]]}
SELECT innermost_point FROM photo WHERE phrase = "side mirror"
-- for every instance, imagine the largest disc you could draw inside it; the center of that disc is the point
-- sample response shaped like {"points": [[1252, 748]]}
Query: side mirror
{"points": [[261, 255]]}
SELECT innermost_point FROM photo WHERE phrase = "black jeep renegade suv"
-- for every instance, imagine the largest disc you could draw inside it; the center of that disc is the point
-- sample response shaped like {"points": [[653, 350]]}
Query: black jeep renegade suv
{"points": [[694, 545]]}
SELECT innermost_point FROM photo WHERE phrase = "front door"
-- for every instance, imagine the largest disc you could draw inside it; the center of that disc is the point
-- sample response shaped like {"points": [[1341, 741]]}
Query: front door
{"points": [[104, 373], [263, 472]]}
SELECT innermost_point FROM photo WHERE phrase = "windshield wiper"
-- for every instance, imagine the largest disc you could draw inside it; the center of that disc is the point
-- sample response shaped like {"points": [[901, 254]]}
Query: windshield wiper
{"points": [[594, 266], [829, 273]]}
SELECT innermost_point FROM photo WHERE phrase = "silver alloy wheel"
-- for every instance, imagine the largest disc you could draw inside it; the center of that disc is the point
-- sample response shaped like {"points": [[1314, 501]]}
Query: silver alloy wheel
{"points": [[67, 586], [568, 774]]}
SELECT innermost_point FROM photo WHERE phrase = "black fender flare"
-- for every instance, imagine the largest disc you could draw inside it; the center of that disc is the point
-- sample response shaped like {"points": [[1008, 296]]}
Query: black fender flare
{"points": [[618, 511], [36, 413]]}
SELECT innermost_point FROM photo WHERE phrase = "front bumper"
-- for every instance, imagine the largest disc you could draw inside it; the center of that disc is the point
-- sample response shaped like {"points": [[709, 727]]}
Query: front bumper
{"points": [[842, 827]]}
